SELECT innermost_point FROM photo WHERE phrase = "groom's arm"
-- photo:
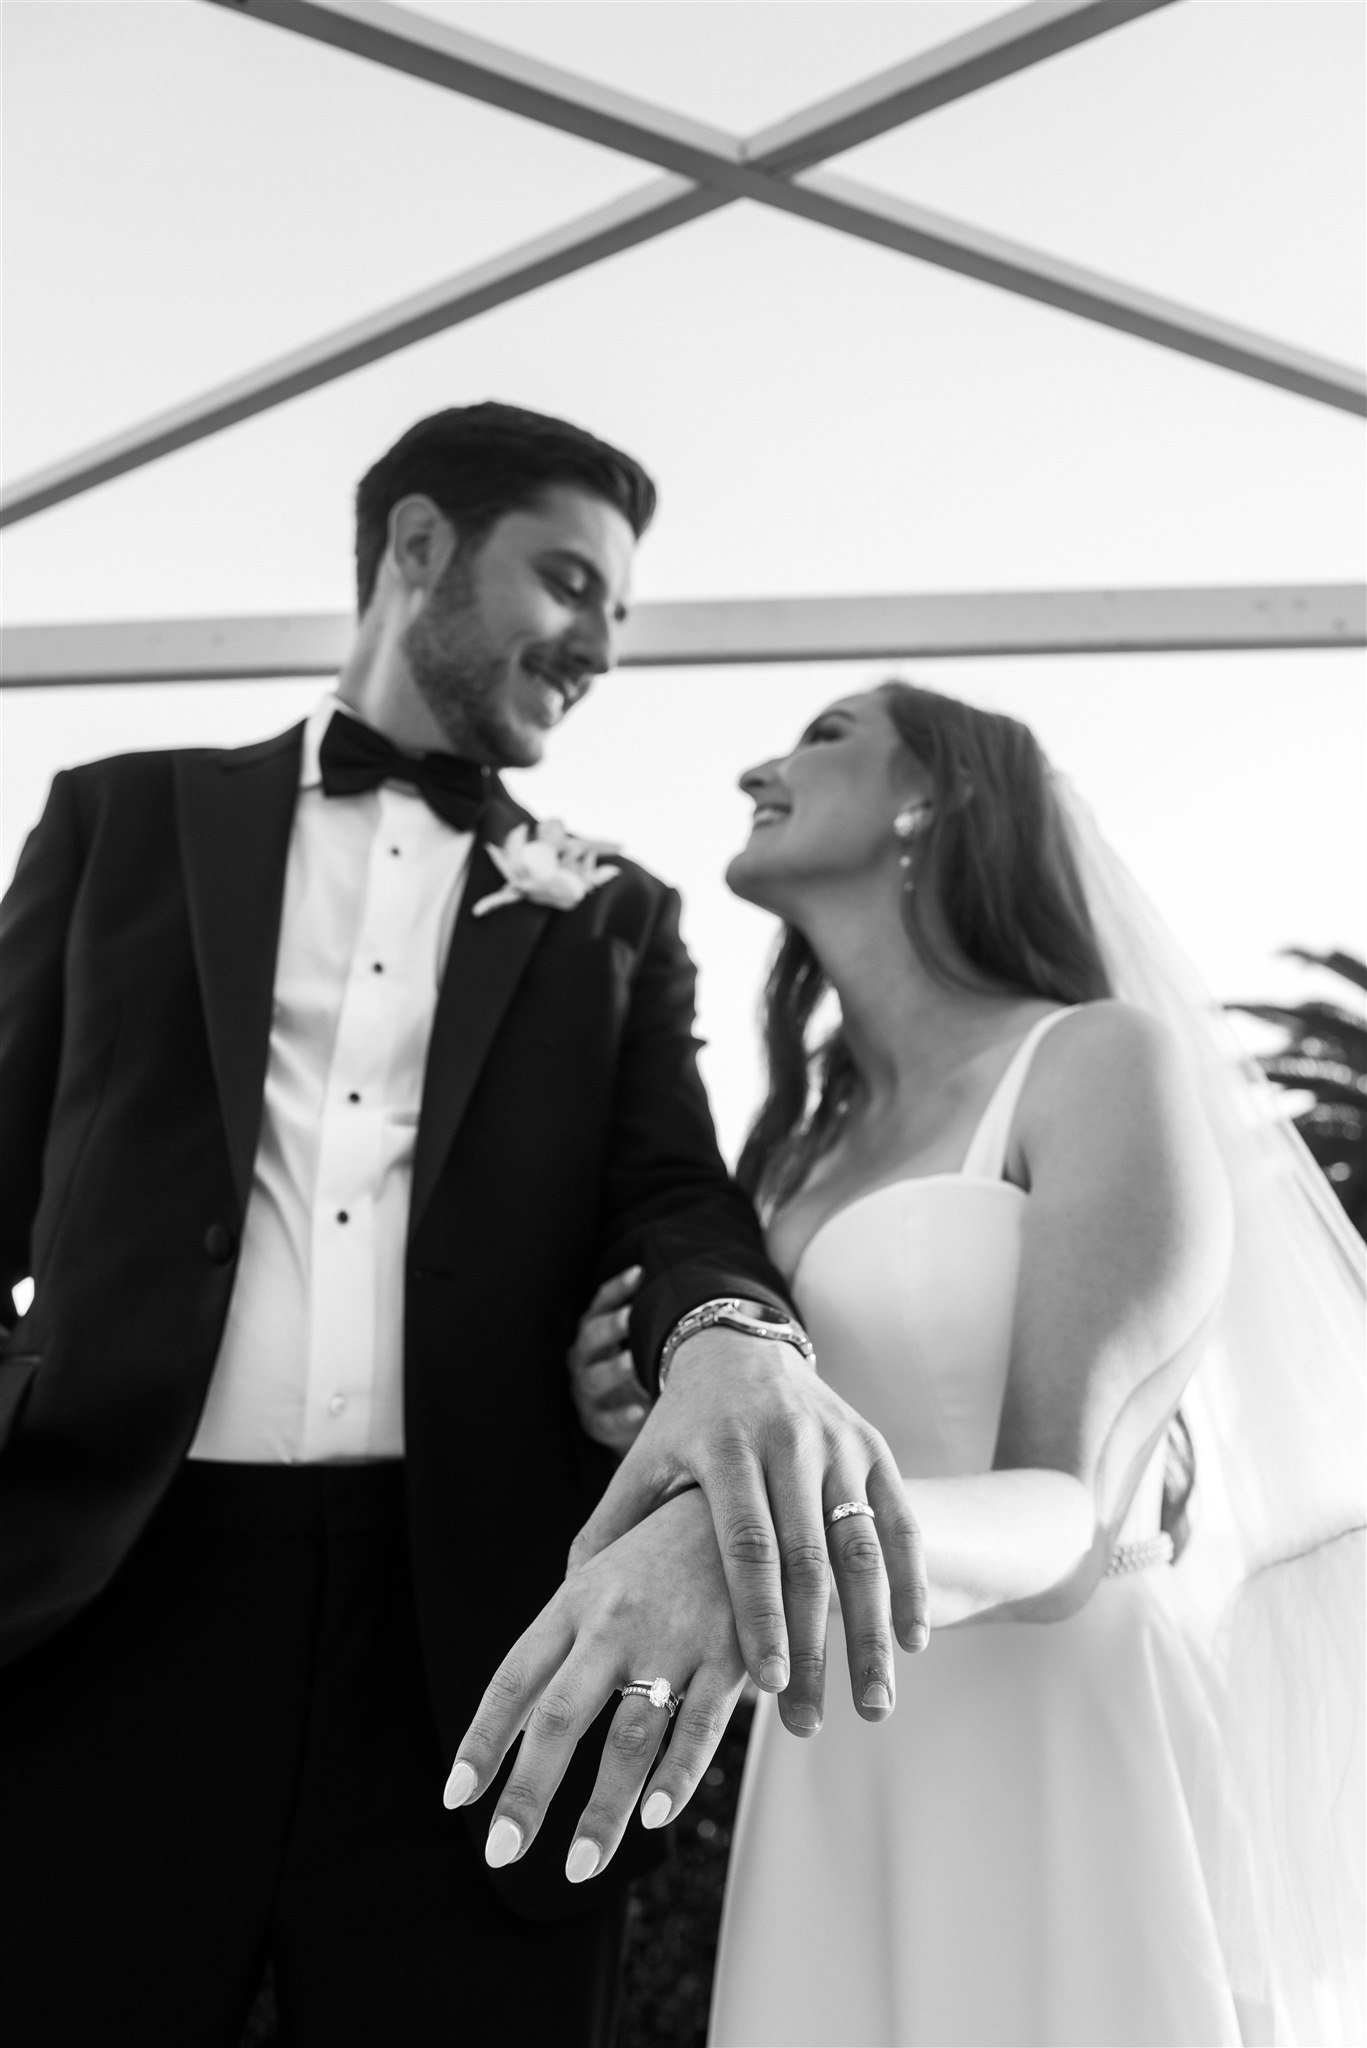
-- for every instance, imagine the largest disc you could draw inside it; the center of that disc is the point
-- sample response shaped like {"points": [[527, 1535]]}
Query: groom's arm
{"points": [[670, 1205]]}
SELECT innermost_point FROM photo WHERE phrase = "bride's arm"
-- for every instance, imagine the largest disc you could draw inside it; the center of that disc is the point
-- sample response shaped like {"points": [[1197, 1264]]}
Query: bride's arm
{"points": [[1126, 1243]]}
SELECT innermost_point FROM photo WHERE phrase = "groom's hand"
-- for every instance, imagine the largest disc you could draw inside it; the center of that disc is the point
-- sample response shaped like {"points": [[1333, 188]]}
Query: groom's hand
{"points": [[773, 1450]]}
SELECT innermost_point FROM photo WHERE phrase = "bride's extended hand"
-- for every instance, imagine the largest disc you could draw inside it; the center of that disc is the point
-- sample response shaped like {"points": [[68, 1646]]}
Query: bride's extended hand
{"points": [[605, 1627], [608, 1397]]}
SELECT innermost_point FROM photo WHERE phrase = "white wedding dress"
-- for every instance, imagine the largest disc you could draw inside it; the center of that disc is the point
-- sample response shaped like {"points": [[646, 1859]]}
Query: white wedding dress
{"points": [[1014, 1857]]}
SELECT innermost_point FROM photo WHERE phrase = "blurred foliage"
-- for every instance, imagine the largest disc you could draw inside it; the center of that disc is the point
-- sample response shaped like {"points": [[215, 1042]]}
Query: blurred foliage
{"points": [[1325, 1055]]}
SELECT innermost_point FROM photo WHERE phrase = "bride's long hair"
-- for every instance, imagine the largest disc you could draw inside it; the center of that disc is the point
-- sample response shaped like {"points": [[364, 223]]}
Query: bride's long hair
{"points": [[995, 859]]}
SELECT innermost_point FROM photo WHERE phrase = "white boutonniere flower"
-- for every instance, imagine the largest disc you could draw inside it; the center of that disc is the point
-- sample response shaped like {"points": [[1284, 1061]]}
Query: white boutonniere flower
{"points": [[554, 868]]}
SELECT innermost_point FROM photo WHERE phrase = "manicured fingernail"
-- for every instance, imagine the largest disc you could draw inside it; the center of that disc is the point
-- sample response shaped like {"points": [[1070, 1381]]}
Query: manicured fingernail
{"points": [[773, 1673], [633, 1272], [876, 1695], [656, 1810], [505, 1839], [805, 1718], [460, 1785], [583, 1860], [920, 1636]]}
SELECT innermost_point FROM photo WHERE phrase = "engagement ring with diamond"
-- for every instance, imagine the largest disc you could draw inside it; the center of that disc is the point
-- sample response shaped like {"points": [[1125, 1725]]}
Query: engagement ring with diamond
{"points": [[656, 1690]]}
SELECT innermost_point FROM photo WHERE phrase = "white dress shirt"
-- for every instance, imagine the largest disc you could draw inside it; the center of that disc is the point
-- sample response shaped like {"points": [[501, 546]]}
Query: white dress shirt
{"points": [[310, 1369]]}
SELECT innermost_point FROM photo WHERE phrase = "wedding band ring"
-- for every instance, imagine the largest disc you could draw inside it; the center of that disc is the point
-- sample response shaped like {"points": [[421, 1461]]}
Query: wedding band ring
{"points": [[656, 1690], [847, 1507]]}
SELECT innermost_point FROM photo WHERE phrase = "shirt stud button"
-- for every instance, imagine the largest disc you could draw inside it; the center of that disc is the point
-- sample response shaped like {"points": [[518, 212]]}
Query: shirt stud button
{"points": [[218, 1244], [377, 967], [337, 1405], [353, 1096], [343, 1216]]}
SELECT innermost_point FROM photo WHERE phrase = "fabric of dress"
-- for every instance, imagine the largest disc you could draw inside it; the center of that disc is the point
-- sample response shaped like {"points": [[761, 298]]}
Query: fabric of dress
{"points": [[1014, 1857]]}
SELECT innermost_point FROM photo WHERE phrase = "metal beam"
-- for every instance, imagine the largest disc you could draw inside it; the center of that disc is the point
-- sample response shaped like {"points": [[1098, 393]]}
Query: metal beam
{"points": [[761, 171], [421, 47], [954, 245], [1012, 41], [637, 217], [729, 631], [1005, 623], [174, 650], [765, 168]]}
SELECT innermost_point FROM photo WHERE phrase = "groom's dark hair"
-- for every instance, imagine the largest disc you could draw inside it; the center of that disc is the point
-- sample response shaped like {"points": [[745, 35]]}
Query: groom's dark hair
{"points": [[479, 462]]}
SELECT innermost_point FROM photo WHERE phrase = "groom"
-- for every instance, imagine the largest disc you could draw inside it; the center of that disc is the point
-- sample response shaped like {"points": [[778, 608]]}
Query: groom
{"points": [[315, 1155]]}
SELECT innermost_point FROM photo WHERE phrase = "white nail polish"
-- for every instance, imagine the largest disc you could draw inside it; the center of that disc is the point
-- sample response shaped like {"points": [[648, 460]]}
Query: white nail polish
{"points": [[583, 1860], [460, 1785], [656, 1810], [505, 1839]]}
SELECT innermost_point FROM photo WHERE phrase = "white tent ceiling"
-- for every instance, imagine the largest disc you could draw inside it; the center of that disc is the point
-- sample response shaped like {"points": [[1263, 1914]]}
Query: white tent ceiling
{"points": [[197, 199]]}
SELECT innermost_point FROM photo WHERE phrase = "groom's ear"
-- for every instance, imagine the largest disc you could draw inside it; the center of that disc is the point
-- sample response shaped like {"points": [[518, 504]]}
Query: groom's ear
{"points": [[421, 541]]}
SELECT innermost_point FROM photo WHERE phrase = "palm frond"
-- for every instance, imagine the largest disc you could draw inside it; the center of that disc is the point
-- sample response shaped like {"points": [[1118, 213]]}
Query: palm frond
{"points": [[1325, 1056], [1344, 964]]}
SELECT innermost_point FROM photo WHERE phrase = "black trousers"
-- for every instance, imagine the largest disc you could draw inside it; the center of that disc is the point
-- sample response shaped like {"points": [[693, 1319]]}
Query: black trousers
{"points": [[230, 1756]]}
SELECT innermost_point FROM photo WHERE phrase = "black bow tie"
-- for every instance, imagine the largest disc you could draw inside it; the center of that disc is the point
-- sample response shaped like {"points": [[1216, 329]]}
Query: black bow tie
{"points": [[354, 757]]}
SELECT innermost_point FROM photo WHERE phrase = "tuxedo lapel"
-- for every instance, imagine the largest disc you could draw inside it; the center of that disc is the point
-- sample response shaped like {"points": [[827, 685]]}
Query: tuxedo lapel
{"points": [[234, 812], [485, 963]]}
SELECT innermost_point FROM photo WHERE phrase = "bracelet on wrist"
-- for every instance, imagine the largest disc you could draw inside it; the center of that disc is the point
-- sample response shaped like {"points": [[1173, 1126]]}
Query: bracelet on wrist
{"points": [[732, 1313]]}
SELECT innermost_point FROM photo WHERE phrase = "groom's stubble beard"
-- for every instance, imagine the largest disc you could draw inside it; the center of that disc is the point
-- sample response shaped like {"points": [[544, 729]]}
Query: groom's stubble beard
{"points": [[457, 671]]}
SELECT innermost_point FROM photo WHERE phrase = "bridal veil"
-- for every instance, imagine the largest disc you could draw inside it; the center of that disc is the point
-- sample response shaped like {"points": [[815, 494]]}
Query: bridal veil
{"points": [[1272, 1579]]}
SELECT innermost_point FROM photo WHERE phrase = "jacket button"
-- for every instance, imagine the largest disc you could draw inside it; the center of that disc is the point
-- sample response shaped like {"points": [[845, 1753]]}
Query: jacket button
{"points": [[218, 1244]]}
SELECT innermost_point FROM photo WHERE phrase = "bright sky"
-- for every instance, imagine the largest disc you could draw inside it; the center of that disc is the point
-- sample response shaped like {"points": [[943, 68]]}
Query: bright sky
{"points": [[187, 193]]}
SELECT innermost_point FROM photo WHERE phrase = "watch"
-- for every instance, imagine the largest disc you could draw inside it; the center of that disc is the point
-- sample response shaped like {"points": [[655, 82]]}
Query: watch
{"points": [[753, 1320]]}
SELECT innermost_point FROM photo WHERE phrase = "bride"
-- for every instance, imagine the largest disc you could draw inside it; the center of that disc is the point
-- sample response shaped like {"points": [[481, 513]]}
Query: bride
{"points": [[1046, 1236]]}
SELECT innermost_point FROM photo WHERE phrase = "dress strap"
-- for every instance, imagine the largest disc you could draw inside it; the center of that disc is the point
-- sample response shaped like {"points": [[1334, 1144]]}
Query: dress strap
{"points": [[986, 1155]]}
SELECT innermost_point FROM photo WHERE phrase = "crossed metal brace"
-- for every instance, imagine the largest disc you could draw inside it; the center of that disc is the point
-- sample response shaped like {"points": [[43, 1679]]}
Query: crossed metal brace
{"points": [[705, 169]]}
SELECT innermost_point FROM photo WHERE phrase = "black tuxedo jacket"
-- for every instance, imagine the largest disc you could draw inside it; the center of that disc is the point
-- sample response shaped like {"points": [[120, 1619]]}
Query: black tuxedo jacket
{"points": [[564, 1134]]}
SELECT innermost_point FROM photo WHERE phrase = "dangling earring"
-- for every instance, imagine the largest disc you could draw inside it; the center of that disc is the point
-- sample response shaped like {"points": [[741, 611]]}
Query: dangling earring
{"points": [[906, 825]]}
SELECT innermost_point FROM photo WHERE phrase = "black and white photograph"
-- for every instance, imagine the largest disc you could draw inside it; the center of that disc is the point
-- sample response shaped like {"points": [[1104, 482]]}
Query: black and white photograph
{"points": [[683, 1024]]}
